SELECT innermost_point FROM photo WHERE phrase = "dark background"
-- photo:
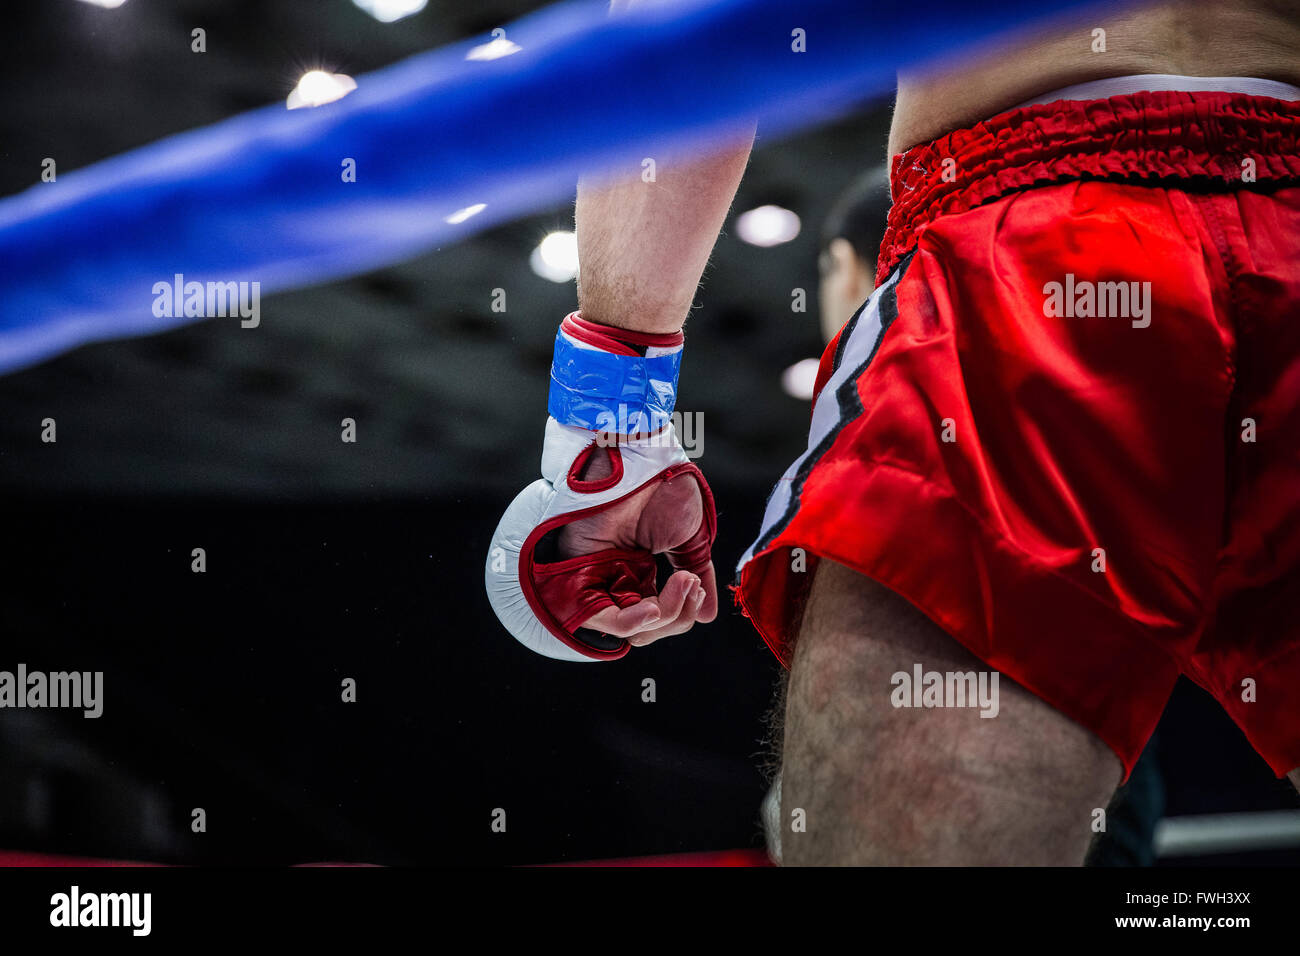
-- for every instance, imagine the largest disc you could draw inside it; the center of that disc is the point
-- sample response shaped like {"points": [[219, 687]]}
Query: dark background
{"points": [[329, 560]]}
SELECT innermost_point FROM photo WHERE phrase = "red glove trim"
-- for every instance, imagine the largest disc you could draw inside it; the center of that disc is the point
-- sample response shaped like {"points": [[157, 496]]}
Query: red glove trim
{"points": [[530, 587], [600, 484]]}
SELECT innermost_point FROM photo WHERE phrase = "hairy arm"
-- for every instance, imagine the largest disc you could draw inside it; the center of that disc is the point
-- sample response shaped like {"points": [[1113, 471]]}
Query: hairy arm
{"points": [[643, 246], [642, 249]]}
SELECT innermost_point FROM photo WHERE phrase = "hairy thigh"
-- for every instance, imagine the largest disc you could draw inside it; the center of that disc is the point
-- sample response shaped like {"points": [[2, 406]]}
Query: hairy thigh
{"points": [[865, 781]]}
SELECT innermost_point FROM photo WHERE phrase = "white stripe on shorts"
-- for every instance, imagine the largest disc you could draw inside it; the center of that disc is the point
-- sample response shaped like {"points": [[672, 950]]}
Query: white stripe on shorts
{"points": [[829, 413]]}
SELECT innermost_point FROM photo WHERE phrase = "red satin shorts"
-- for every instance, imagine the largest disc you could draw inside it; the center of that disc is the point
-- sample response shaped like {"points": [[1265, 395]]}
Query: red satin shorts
{"points": [[1066, 426]]}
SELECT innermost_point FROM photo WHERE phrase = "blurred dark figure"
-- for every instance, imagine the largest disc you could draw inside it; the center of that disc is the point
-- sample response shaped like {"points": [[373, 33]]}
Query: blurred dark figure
{"points": [[851, 238], [1131, 818]]}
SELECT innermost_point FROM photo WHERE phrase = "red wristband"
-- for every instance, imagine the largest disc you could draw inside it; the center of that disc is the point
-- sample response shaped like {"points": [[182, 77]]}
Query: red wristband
{"points": [[618, 341]]}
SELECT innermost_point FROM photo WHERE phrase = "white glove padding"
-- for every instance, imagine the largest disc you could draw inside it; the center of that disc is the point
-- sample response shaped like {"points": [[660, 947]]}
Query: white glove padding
{"points": [[543, 600]]}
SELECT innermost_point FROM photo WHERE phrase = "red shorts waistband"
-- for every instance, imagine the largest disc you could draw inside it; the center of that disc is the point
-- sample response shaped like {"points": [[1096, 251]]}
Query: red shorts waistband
{"points": [[1161, 137]]}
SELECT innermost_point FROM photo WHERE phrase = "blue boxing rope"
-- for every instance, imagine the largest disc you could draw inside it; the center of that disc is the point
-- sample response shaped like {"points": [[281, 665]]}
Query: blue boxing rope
{"points": [[261, 197]]}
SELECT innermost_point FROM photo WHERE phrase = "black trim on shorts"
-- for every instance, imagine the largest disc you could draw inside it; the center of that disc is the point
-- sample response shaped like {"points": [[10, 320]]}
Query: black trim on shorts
{"points": [[847, 398]]}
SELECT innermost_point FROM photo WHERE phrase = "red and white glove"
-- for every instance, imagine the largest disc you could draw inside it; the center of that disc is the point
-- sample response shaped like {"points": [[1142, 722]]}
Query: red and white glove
{"points": [[571, 571]]}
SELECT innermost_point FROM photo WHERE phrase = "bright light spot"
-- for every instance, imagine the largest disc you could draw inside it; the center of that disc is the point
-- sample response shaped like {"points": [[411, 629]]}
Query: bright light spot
{"points": [[386, 11], [110, 4], [493, 50], [460, 215], [767, 226], [556, 257], [317, 88], [798, 380]]}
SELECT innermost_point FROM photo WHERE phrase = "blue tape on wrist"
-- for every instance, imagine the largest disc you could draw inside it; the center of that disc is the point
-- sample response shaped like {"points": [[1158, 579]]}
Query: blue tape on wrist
{"points": [[621, 394]]}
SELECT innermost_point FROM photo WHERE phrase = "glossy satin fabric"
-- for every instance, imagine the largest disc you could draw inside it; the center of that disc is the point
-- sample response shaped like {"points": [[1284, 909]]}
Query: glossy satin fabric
{"points": [[1070, 495]]}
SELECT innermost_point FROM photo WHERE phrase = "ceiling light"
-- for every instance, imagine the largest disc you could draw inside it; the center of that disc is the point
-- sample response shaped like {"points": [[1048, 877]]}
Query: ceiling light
{"points": [[798, 380], [386, 11], [767, 226], [316, 88], [556, 257]]}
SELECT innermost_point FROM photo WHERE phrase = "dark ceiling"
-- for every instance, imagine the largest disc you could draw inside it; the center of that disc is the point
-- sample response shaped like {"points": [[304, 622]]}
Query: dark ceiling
{"points": [[449, 397]]}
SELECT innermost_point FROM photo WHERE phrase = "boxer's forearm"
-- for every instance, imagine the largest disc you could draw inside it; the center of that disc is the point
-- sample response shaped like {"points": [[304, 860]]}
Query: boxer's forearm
{"points": [[643, 246]]}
